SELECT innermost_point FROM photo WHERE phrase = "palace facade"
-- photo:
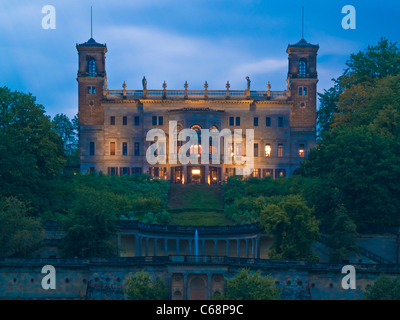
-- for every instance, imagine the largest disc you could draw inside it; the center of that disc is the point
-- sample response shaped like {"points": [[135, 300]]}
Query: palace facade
{"points": [[113, 124]]}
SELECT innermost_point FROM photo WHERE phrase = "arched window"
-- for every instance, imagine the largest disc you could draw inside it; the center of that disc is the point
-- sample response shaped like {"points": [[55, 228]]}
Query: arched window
{"points": [[197, 147], [302, 67], [213, 133], [92, 68]]}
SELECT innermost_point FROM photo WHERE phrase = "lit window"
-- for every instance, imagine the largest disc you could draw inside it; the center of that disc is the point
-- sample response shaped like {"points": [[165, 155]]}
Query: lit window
{"points": [[280, 150], [268, 150], [305, 91], [89, 90], [93, 89], [112, 148], [255, 173], [301, 150]]}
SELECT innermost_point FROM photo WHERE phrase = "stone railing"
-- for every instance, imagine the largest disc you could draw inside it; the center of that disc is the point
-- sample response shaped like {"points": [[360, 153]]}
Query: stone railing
{"points": [[201, 260], [194, 94]]}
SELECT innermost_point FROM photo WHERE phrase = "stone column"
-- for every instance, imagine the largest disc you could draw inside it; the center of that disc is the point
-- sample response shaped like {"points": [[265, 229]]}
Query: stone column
{"points": [[238, 248], [155, 247], [185, 287], [119, 245], [165, 246], [227, 247], [177, 247], [215, 247], [136, 245], [140, 246], [247, 248], [253, 251], [147, 247], [258, 247], [209, 278]]}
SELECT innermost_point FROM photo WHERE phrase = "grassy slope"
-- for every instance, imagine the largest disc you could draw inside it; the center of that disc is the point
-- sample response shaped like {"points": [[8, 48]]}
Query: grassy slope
{"points": [[201, 197]]}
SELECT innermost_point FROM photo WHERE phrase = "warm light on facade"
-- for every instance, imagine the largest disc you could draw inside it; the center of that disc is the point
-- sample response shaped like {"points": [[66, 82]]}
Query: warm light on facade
{"points": [[195, 171], [268, 150]]}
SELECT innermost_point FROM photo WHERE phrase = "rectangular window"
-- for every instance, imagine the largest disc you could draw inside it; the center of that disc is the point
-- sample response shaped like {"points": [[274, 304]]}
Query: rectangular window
{"points": [[124, 148], [268, 121], [256, 149], [124, 171], [137, 149], [231, 121], [89, 90], [160, 121], [305, 91], [268, 150], [112, 171], [300, 91], [91, 148], [268, 172], [137, 170], [124, 121], [112, 148], [238, 121], [256, 173], [301, 150], [280, 173], [154, 120], [137, 120], [280, 150], [93, 89], [112, 120], [280, 122], [255, 121]]}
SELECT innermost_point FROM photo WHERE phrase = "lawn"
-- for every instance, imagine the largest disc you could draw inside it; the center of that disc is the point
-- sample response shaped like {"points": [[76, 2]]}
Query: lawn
{"points": [[198, 205]]}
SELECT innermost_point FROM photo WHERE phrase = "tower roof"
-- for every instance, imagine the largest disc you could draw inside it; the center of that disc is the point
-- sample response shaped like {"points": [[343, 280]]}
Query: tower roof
{"points": [[304, 44], [91, 43]]}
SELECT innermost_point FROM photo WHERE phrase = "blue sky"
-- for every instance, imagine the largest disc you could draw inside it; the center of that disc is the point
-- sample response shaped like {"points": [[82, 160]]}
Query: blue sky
{"points": [[178, 41]]}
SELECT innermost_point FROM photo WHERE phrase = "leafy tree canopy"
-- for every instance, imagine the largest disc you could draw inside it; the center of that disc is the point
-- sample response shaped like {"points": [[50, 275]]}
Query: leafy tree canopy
{"points": [[141, 286], [384, 288], [247, 285]]}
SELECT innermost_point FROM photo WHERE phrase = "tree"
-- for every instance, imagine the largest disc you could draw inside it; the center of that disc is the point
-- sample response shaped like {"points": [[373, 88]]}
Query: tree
{"points": [[31, 151], [20, 234], [343, 236], [363, 70], [141, 286], [90, 226], [364, 167], [247, 285], [294, 229], [384, 288]]}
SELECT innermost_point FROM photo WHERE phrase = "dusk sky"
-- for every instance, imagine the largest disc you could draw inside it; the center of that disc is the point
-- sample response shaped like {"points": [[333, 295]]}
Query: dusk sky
{"points": [[180, 41]]}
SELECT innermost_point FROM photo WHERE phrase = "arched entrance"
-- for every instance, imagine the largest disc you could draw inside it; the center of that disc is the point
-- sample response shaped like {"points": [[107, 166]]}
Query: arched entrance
{"points": [[197, 289]]}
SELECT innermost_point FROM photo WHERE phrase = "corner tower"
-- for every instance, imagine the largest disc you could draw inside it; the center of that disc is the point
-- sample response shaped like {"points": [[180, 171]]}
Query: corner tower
{"points": [[302, 84], [92, 80]]}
